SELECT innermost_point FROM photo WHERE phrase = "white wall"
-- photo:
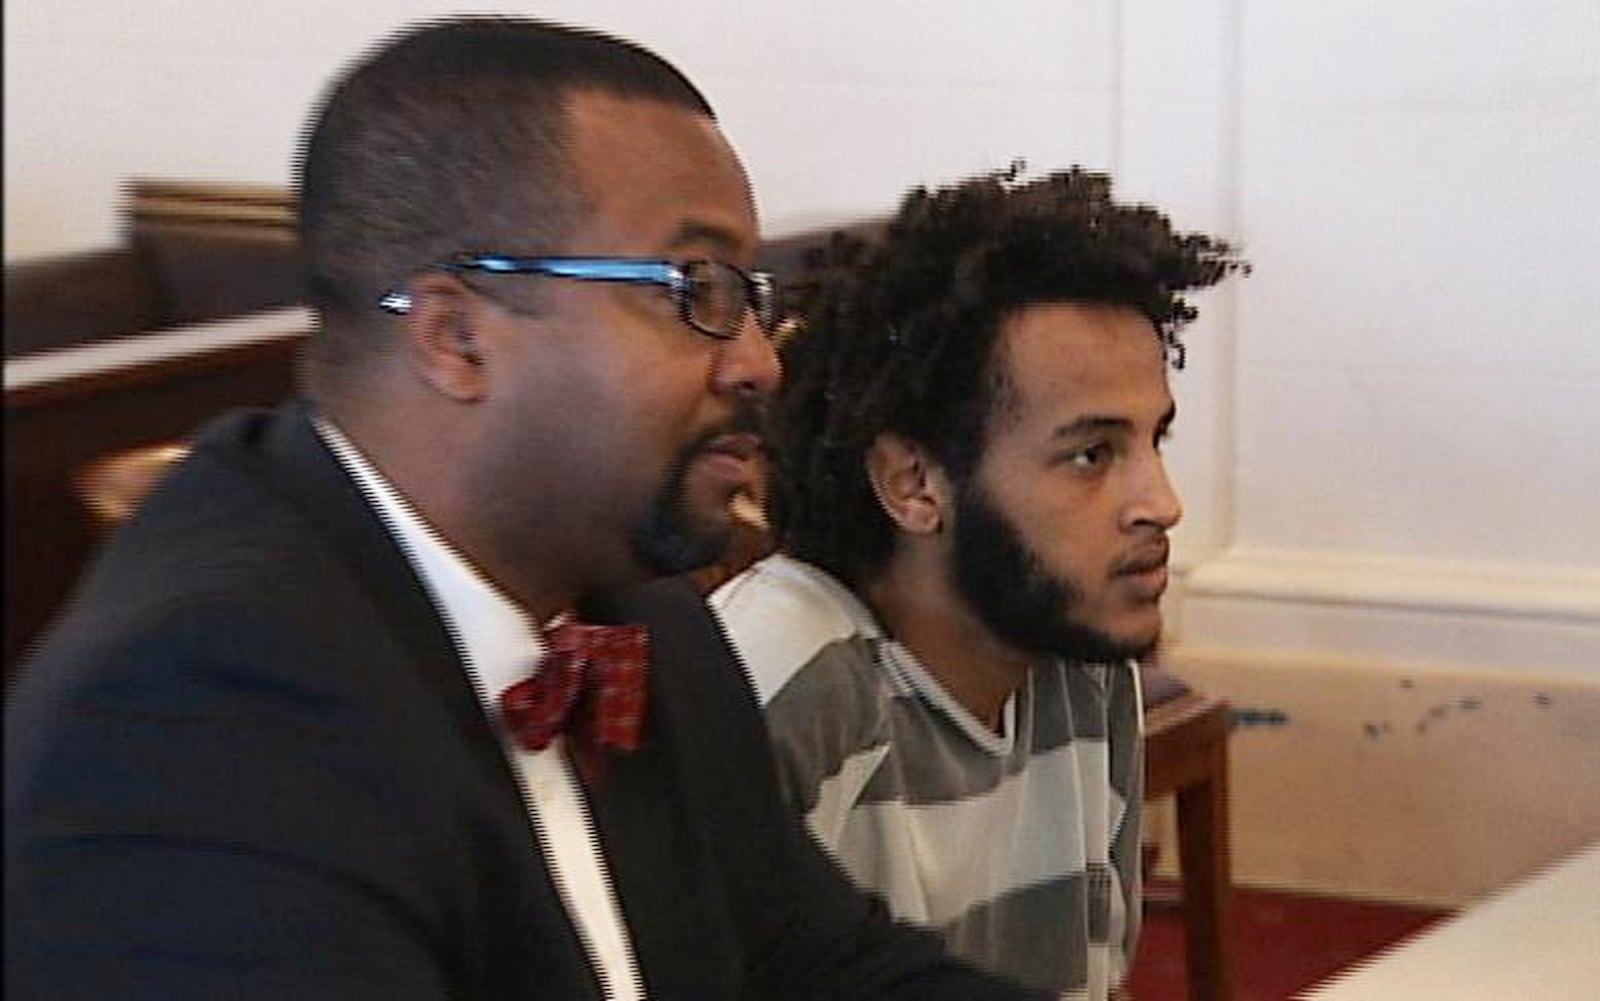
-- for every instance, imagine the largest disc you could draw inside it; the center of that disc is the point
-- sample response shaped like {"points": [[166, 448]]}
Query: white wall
{"points": [[1401, 782], [1411, 567], [1416, 385], [1388, 433], [837, 106]]}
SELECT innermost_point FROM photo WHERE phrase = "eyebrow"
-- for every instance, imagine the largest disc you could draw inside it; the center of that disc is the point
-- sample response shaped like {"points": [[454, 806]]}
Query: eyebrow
{"points": [[699, 232], [1090, 423]]}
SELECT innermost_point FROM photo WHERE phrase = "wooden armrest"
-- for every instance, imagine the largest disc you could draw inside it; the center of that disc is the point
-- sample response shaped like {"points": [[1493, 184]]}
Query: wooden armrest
{"points": [[1185, 739]]}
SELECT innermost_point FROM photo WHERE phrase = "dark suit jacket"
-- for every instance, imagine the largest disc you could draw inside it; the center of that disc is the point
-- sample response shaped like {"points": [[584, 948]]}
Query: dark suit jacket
{"points": [[248, 764]]}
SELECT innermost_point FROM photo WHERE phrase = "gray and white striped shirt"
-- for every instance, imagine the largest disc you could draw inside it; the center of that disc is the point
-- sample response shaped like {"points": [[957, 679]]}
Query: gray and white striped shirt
{"points": [[1020, 847]]}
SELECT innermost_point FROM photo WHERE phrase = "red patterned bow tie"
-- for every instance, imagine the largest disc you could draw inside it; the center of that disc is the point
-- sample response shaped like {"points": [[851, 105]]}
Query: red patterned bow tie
{"points": [[590, 685]]}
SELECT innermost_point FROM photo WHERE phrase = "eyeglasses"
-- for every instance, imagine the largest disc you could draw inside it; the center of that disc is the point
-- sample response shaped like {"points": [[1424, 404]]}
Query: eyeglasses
{"points": [[712, 296]]}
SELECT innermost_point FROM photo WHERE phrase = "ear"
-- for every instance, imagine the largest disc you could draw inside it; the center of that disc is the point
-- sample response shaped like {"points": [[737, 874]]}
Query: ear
{"points": [[444, 342], [911, 487]]}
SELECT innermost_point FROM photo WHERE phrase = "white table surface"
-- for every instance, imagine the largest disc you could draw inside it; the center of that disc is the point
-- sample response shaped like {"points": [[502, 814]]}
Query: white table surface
{"points": [[1536, 941]]}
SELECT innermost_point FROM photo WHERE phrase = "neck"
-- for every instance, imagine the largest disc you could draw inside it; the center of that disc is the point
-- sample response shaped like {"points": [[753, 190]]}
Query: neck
{"points": [[417, 470], [525, 581], [917, 603]]}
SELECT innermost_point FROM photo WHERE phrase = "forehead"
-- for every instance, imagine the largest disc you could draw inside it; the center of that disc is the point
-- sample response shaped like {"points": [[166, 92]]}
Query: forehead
{"points": [[659, 178], [1063, 361]]}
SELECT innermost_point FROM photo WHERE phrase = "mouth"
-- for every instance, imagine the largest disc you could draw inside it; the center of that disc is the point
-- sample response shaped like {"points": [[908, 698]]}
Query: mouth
{"points": [[743, 446], [1146, 569], [1145, 560], [729, 459]]}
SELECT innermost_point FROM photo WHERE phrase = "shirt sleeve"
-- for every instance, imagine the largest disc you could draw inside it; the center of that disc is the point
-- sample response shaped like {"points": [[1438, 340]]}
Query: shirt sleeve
{"points": [[777, 616]]}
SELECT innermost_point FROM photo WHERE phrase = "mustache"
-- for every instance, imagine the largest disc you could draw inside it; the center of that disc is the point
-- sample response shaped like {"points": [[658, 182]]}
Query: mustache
{"points": [[1150, 556]]}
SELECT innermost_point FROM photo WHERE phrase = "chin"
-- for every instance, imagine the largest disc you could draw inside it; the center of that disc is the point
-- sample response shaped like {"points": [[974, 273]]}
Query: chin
{"points": [[1111, 642], [682, 531], [1138, 640], [1142, 647], [665, 554]]}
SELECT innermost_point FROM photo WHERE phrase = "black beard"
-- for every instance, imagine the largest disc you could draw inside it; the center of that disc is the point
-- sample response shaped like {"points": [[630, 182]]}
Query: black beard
{"points": [[1013, 594], [671, 539]]}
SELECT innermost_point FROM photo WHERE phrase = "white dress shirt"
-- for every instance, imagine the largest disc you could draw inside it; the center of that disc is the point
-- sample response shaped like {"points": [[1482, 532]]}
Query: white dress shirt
{"points": [[499, 646]]}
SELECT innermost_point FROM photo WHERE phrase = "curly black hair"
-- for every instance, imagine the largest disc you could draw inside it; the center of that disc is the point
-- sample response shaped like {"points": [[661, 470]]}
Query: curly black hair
{"points": [[898, 335]]}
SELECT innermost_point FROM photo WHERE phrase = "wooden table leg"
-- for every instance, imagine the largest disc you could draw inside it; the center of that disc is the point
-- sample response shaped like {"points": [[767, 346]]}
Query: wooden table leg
{"points": [[1207, 883]]}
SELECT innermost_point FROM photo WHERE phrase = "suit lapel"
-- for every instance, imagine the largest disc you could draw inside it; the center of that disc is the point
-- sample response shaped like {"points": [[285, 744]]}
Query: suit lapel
{"points": [[652, 814], [291, 461]]}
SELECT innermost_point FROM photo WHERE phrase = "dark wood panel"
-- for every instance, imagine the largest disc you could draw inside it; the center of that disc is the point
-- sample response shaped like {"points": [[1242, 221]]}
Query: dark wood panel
{"points": [[51, 431], [190, 252]]}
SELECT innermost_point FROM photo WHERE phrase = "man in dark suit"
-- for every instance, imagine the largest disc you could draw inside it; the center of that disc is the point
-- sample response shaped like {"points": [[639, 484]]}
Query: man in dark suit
{"points": [[323, 720]]}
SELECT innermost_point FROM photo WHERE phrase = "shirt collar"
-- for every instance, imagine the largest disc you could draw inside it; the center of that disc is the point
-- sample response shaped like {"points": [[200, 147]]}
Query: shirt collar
{"points": [[825, 585], [497, 640]]}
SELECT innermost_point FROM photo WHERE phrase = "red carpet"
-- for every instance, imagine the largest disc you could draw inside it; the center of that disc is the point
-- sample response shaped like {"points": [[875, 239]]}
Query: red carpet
{"points": [[1285, 942]]}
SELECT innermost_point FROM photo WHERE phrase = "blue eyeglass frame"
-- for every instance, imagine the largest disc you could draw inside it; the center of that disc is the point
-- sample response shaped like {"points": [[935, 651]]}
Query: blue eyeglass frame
{"points": [[760, 288]]}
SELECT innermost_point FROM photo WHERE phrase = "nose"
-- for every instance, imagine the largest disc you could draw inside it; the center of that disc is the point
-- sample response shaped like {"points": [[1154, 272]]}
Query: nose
{"points": [[1154, 501], [747, 365]]}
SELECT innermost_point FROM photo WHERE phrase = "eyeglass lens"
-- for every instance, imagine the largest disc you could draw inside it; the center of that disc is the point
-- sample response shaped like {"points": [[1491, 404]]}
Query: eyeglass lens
{"points": [[718, 295]]}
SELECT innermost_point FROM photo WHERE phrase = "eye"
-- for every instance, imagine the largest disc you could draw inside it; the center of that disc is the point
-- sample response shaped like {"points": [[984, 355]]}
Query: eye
{"points": [[715, 295], [1162, 438], [1090, 456]]}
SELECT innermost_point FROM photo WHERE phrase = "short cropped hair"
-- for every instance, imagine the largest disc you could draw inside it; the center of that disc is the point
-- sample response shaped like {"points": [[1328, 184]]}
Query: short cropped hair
{"points": [[451, 136], [898, 336]]}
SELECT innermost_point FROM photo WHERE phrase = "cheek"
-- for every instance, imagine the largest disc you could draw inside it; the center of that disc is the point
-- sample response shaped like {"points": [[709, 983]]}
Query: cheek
{"points": [[1080, 566], [655, 414], [579, 433], [1064, 532]]}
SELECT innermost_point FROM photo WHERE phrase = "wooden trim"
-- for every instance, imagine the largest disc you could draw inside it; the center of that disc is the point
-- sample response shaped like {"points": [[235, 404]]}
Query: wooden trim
{"points": [[85, 370], [162, 210], [154, 200], [153, 370]]}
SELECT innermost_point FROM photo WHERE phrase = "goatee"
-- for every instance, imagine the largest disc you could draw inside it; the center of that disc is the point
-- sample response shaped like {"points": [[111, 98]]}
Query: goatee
{"points": [[673, 538]]}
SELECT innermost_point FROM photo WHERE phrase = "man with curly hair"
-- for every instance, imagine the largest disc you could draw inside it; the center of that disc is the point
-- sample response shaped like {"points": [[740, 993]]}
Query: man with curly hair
{"points": [[970, 496]]}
